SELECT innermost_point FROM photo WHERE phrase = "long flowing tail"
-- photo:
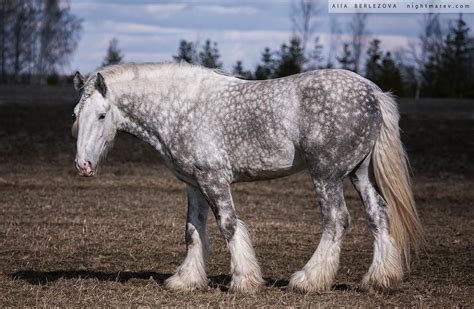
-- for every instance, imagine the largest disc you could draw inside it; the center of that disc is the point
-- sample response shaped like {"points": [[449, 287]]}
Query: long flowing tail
{"points": [[392, 176]]}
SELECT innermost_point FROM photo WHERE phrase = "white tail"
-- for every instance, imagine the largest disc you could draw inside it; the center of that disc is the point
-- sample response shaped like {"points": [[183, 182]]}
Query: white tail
{"points": [[393, 180]]}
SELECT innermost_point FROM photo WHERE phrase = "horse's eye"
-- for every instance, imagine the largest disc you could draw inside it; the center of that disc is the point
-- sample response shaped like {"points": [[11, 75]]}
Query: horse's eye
{"points": [[73, 115], [101, 116]]}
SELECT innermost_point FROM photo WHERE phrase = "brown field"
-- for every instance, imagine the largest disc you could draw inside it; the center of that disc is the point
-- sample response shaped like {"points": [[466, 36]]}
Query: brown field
{"points": [[112, 240]]}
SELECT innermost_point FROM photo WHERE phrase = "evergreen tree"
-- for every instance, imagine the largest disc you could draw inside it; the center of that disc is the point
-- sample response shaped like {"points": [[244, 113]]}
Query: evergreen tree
{"points": [[470, 69], [186, 52], [372, 66], [209, 55], [390, 78], [431, 77], [238, 70], [455, 58], [448, 73], [346, 61], [114, 55], [291, 58], [409, 78], [266, 69]]}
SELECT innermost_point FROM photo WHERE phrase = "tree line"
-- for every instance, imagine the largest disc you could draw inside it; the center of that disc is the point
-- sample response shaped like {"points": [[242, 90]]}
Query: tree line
{"points": [[442, 65], [37, 38]]}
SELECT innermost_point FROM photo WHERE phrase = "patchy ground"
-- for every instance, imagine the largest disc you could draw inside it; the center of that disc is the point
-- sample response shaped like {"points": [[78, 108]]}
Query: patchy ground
{"points": [[114, 239]]}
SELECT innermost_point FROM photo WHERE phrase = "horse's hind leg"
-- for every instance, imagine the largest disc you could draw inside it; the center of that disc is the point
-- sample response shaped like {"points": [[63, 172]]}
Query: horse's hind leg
{"points": [[191, 274], [318, 274], [386, 269]]}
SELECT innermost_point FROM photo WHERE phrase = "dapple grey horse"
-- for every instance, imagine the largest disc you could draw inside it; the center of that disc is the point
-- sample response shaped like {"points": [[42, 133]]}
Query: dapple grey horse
{"points": [[212, 129]]}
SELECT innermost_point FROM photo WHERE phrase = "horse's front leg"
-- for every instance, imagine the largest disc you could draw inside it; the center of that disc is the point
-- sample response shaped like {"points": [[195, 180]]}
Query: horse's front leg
{"points": [[191, 274], [246, 274]]}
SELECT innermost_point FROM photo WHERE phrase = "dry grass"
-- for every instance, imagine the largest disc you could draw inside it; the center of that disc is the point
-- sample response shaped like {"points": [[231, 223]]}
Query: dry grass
{"points": [[113, 239]]}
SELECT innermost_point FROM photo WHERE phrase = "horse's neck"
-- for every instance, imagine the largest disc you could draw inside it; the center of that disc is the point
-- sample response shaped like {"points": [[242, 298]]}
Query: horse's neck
{"points": [[150, 107]]}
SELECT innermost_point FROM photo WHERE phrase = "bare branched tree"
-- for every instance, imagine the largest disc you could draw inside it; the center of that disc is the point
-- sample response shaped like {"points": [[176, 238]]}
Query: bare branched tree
{"points": [[303, 13], [6, 20], [358, 30], [334, 39], [429, 45], [22, 40], [58, 36]]}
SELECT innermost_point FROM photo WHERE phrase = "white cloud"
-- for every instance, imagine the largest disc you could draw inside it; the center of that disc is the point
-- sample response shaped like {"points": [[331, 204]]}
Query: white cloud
{"points": [[228, 10], [137, 28], [156, 11], [147, 57], [164, 9], [254, 36]]}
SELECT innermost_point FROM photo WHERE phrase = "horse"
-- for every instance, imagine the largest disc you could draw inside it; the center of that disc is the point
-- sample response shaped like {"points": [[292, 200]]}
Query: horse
{"points": [[212, 129]]}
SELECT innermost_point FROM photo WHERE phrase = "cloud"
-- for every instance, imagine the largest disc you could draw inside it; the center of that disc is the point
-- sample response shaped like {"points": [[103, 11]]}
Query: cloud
{"points": [[127, 9], [165, 9], [147, 57], [254, 36], [228, 10], [138, 28]]}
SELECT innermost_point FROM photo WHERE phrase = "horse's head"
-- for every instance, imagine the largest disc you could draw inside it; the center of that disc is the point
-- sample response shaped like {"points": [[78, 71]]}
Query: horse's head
{"points": [[96, 123]]}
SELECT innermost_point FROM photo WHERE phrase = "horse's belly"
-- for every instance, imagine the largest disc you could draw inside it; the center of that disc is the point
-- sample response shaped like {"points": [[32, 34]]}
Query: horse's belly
{"points": [[269, 167]]}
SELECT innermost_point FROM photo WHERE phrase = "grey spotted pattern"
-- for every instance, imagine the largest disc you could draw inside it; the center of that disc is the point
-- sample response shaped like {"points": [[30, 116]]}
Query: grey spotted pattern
{"points": [[212, 130], [233, 130]]}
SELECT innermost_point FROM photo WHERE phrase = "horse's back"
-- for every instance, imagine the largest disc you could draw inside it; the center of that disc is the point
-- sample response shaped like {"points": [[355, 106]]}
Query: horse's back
{"points": [[275, 125]]}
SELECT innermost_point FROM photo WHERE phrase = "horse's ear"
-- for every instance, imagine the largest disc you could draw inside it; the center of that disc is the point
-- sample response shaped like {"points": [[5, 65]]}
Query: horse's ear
{"points": [[100, 85], [78, 81]]}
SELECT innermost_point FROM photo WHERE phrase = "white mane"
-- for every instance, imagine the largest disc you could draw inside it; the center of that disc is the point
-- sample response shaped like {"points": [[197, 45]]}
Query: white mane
{"points": [[133, 71]]}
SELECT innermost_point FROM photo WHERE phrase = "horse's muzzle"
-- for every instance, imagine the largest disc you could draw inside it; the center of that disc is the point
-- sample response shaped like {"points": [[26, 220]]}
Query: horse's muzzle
{"points": [[85, 168]]}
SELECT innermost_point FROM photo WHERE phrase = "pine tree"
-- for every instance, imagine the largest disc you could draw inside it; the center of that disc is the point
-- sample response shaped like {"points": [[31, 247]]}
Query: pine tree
{"points": [[455, 58], [346, 61], [390, 78], [186, 52], [431, 77], [266, 70], [291, 58], [448, 73], [114, 54], [372, 66], [209, 55], [238, 70]]}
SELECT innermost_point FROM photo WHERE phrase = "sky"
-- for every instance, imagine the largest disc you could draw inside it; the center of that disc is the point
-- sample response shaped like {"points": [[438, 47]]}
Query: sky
{"points": [[150, 31]]}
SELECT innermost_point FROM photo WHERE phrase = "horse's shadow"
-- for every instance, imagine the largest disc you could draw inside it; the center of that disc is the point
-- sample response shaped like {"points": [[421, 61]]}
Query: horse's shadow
{"points": [[44, 277], [218, 282]]}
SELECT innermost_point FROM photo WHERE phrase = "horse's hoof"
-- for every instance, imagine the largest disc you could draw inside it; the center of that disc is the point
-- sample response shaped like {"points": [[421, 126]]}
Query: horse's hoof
{"points": [[377, 282], [246, 284], [177, 283], [300, 282]]}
